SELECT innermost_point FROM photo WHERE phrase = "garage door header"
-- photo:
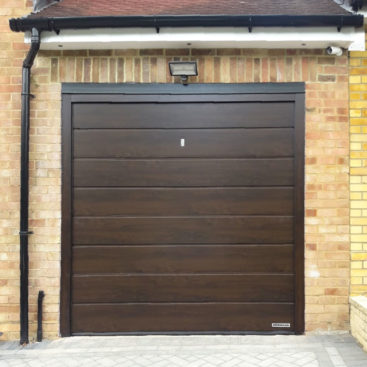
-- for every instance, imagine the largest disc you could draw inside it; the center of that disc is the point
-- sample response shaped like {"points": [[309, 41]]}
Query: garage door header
{"points": [[143, 88]]}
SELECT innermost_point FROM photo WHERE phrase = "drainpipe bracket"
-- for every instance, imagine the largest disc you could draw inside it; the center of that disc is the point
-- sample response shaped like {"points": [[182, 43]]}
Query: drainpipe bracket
{"points": [[25, 233], [250, 26], [28, 94], [340, 26]]}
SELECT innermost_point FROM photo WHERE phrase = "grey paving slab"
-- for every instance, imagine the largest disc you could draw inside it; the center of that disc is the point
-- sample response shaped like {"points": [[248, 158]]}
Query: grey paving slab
{"points": [[188, 351]]}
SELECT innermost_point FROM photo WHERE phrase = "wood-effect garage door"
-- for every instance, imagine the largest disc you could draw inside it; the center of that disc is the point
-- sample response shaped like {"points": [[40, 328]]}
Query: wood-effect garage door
{"points": [[182, 209]]}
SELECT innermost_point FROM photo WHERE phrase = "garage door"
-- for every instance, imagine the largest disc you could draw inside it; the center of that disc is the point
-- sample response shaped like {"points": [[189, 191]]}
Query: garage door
{"points": [[183, 209]]}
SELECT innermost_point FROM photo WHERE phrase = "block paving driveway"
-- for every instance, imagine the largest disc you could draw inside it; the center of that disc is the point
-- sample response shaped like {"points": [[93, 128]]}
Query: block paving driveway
{"points": [[188, 351]]}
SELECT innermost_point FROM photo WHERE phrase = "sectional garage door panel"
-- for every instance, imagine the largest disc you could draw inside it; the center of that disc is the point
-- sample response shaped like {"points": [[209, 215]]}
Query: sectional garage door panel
{"points": [[198, 317], [183, 201], [183, 214], [162, 143], [183, 230], [183, 115], [182, 288], [182, 259], [183, 173]]}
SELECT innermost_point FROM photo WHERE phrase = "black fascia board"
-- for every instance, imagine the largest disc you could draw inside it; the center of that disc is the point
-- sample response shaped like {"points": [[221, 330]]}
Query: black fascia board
{"points": [[57, 24]]}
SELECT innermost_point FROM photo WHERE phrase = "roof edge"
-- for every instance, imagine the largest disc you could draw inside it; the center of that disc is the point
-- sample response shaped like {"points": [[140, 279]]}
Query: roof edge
{"points": [[39, 5], [56, 24]]}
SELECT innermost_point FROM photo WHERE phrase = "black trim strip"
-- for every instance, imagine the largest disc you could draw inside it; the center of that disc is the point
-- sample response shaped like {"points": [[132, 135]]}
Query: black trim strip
{"points": [[188, 333], [249, 21], [195, 88]]}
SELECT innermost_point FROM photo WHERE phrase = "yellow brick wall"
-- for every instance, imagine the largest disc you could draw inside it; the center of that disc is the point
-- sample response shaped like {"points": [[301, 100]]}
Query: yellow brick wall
{"points": [[358, 171], [358, 319], [327, 245]]}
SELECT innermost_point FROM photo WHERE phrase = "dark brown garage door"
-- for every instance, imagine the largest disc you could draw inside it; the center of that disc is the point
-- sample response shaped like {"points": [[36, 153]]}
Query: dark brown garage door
{"points": [[183, 212]]}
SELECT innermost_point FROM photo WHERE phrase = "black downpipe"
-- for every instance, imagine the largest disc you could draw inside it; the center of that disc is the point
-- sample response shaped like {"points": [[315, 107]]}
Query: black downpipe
{"points": [[41, 295], [24, 184]]}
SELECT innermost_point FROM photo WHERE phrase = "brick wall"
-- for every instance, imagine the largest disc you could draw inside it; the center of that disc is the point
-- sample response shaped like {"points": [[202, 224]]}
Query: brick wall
{"points": [[358, 319], [327, 160], [358, 171], [12, 51]]}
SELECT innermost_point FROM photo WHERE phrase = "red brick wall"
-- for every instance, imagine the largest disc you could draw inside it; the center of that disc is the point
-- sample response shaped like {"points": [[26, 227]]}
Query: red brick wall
{"points": [[327, 155]]}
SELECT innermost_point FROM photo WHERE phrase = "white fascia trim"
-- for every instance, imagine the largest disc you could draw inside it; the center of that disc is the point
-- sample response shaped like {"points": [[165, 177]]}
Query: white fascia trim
{"points": [[139, 38]]}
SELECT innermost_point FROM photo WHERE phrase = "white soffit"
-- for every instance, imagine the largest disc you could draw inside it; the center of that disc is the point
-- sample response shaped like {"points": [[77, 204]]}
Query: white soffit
{"points": [[229, 37]]}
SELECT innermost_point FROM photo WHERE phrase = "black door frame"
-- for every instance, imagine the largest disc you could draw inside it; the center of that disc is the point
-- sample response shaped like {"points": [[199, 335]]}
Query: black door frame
{"points": [[92, 92]]}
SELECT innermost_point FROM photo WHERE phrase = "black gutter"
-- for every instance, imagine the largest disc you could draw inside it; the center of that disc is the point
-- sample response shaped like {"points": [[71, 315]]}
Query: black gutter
{"points": [[24, 184], [249, 21]]}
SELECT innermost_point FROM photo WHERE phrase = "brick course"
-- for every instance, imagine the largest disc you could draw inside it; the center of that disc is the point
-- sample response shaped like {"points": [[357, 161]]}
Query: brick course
{"points": [[358, 171], [358, 319], [327, 246]]}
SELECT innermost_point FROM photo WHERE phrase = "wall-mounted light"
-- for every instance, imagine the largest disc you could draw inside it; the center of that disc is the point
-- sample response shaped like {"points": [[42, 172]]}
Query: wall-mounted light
{"points": [[183, 69]]}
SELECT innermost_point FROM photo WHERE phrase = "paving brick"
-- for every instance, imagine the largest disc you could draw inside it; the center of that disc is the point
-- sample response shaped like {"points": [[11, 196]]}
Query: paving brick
{"points": [[189, 351]]}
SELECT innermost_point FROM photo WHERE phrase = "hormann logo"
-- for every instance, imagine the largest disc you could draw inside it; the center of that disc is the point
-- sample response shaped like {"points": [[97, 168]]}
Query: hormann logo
{"points": [[280, 324]]}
